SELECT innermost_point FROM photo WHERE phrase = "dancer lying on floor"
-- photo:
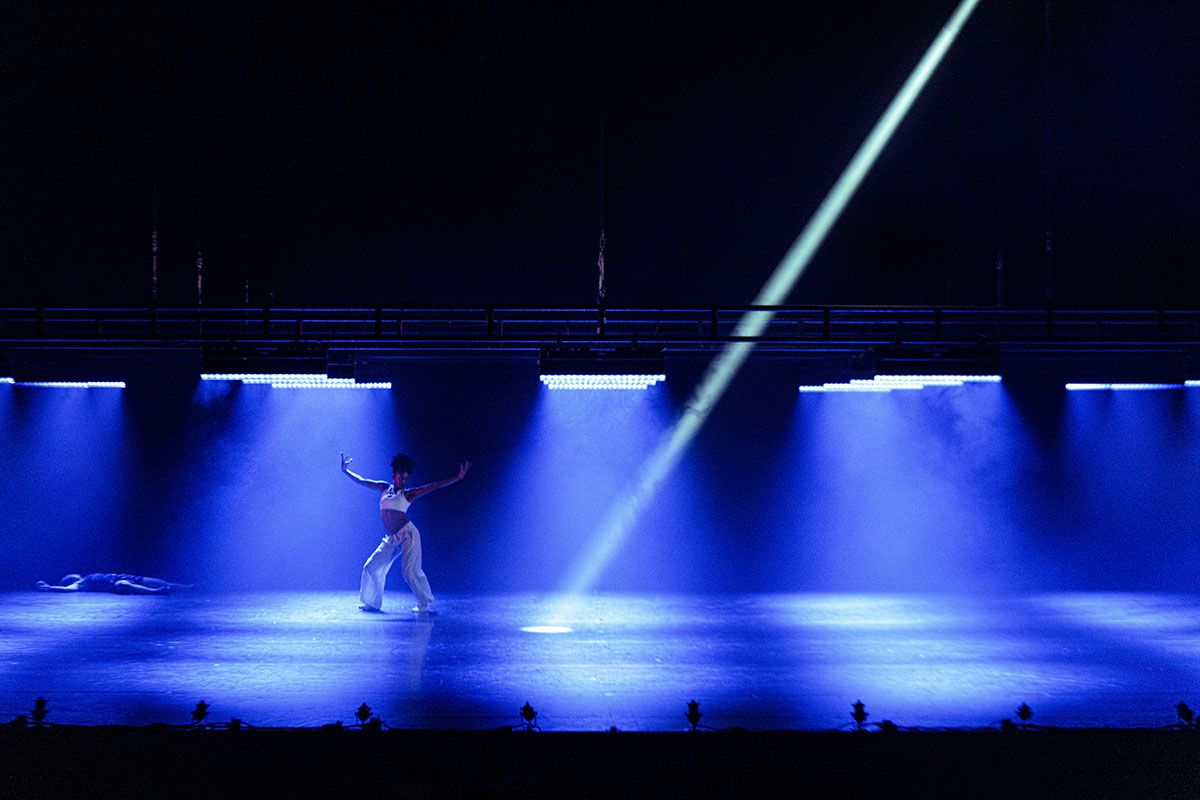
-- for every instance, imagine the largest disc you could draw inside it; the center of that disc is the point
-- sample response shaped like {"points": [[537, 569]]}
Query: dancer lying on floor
{"points": [[401, 538], [114, 583]]}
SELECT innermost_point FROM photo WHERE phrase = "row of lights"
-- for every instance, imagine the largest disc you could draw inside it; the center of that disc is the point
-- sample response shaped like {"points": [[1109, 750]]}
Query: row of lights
{"points": [[601, 381], [878, 384], [319, 381], [274, 381], [285, 381], [891, 383], [1135, 387], [66, 384]]}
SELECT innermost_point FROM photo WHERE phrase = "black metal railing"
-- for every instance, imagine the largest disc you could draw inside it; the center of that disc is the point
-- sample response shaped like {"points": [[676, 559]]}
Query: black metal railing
{"points": [[801, 328]]}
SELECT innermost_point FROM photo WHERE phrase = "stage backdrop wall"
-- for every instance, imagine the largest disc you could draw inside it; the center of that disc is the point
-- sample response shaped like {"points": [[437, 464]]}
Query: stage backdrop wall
{"points": [[1019, 486]]}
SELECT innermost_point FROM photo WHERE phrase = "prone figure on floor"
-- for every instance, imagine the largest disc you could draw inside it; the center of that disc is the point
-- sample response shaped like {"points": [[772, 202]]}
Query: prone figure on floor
{"points": [[113, 583]]}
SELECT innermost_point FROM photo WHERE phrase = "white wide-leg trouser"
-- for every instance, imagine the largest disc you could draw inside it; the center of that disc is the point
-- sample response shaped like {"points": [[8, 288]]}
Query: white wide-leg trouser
{"points": [[405, 544]]}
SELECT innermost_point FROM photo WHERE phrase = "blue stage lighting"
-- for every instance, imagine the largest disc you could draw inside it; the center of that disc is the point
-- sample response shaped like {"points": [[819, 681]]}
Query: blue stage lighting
{"points": [[886, 384], [1118, 387], [601, 381], [889, 383], [933, 380], [285, 381], [266, 431], [583, 368], [330, 383], [865, 388], [70, 384], [249, 377]]}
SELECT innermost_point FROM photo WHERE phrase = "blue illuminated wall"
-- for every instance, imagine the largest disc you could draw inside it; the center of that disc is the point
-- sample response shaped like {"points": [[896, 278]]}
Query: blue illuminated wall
{"points": [[978, 488], [64, 460]]}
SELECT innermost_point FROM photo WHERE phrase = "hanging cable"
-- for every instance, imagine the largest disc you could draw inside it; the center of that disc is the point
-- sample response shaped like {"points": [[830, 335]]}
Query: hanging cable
{"points": [[154, 221], [1047, 145], [156, 51], [600, 268], [199, 232], [999, 231], [601, 289]]}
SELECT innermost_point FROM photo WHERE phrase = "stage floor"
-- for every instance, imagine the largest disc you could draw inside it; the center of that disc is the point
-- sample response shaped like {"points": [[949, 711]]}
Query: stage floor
{"points": [[630, 661]]}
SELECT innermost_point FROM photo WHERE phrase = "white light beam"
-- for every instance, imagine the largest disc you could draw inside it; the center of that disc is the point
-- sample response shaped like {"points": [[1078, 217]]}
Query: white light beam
{"points": [[721, 371]]}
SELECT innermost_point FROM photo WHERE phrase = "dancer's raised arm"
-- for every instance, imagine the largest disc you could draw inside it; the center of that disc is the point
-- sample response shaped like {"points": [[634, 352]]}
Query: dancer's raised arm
{"points": [[379, 486], [413, 494]]}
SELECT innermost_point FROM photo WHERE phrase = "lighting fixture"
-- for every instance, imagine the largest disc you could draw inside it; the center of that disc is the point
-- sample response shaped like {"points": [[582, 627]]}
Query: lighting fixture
{"points": [[1119, 387], [66, 384], [284, 381], [891, 383], [580, 368]]}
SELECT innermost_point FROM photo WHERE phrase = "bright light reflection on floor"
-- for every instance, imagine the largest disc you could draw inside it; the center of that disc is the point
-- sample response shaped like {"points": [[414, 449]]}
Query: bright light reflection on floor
{"points": [[867, 610], [546, 629], [1162, 622], [958, 660]]}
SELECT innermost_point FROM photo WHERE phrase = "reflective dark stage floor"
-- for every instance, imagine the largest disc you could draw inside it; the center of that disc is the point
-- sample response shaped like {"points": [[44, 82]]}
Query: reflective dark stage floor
{"points": [[633, 662]]}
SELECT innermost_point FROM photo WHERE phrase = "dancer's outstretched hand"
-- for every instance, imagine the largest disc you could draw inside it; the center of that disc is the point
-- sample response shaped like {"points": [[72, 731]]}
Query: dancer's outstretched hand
{"points": [[345, 461], [462, 469]]}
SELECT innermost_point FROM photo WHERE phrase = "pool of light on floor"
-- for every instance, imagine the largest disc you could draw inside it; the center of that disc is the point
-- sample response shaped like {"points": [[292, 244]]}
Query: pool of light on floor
{"points": [[546, 629]]}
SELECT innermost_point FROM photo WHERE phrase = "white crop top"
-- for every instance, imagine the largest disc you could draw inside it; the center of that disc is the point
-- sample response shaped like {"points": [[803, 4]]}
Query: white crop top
{"points": [[393, 500], [392, 505]]}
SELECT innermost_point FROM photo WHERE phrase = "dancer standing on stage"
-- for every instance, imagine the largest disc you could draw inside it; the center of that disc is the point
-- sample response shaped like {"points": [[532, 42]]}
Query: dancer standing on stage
{"points": [[401, 537]]}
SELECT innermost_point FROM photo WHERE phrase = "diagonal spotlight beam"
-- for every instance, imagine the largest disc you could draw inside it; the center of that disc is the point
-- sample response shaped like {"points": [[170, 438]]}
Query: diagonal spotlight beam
{"points": [[615, 527]]}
